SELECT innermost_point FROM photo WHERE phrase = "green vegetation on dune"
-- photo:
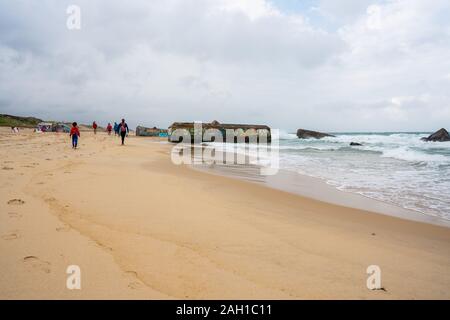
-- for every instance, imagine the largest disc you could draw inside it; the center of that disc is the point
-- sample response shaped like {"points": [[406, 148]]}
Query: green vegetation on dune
{"points": [[7, 120]]}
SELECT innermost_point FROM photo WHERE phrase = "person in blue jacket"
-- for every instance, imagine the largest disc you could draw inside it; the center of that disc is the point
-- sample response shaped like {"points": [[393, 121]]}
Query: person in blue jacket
{"points": [[123, 129]]}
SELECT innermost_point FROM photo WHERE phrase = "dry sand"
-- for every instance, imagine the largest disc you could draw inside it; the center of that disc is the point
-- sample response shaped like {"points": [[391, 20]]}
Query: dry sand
{"points": [[140, 227]]}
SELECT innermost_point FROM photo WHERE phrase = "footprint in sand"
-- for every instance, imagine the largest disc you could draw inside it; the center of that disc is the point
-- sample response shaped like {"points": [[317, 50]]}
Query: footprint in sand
{"points": [[14, 215], [11, 236], [63, 229], [36, 263], [7, 168], [40, 182], [134, 284], [50, 199], [16, 202], [131, 273]]}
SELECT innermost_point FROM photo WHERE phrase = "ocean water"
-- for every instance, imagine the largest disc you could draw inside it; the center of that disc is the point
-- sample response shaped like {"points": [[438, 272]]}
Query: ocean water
{"points": [[397, 168]]}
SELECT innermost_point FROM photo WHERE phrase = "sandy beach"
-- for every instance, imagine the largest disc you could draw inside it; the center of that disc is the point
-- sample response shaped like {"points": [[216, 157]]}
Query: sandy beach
{"points": [[140, 227]]}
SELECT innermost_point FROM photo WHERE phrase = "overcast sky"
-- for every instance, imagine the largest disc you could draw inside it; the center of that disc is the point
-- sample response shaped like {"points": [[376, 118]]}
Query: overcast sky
{"points": [[347, 65]]}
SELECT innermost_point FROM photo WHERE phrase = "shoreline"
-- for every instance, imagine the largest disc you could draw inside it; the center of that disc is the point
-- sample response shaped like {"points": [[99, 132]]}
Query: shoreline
{"points": [[141, 227], [318, 189]]}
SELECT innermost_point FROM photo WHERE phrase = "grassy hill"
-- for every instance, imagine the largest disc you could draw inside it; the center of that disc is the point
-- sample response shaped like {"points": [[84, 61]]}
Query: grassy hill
{"points": [[7, 120]]}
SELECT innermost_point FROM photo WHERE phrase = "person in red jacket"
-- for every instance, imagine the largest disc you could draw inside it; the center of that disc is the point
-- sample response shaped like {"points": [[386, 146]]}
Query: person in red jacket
{"points": [[74, 133], [109, 128], [94, 126]]}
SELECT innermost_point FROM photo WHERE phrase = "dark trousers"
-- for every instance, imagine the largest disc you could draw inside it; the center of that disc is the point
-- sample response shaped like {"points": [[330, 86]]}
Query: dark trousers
{"points": [[122, 135], [74, 141]]}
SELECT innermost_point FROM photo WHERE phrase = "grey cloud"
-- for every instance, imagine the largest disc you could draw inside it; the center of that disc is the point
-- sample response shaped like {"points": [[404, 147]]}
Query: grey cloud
{"points": [[154, 62]]}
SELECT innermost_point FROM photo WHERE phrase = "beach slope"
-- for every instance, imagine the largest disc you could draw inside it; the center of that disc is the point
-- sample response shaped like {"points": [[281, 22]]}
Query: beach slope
{"points": [[139, 226]]}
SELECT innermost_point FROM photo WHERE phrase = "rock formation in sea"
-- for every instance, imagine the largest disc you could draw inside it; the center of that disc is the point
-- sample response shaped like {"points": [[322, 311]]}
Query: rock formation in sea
{"points": [[355, 144], [440, 135], [306, 134]]}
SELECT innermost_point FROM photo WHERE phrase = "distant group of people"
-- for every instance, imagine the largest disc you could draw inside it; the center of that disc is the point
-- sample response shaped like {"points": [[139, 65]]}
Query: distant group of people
{"points": [[120, 129]]}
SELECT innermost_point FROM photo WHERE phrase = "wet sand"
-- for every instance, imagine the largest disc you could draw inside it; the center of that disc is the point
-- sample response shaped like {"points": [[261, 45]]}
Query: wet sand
{"points": [[317, 189]]}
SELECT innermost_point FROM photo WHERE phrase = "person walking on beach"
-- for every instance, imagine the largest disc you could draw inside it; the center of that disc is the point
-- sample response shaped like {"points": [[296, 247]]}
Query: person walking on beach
{"points": [[109, 128], [116, 129], [123, 128], [94, 126], [74, 134]]}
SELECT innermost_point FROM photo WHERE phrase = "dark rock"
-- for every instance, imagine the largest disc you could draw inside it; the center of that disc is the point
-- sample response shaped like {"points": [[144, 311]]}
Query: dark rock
{"points": [[150, 132], [306, 134], [440, 135], [355, 144]]}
